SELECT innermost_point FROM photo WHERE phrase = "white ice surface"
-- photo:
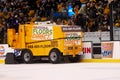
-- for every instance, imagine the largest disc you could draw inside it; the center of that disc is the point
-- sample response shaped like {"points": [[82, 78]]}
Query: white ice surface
{"points": [[68, 71]]}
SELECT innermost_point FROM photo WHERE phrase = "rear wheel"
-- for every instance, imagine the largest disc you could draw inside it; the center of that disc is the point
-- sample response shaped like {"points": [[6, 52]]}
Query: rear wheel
{"points": [[55, 56], [27, 56]]}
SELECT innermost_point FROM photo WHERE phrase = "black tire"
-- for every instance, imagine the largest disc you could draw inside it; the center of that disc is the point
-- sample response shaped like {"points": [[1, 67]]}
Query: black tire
{"points": [[27, 56], [55, 56], [74, 59]]}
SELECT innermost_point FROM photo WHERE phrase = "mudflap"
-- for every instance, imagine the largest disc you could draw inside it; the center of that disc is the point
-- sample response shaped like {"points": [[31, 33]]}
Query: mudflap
{"points": [[70, 58], [10, 59]]}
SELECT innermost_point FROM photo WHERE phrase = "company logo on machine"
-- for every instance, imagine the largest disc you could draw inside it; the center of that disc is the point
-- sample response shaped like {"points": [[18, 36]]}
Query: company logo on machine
{"points": [[42, 32], [72, 38], [71, 28], [2, 50], [16, 52]]}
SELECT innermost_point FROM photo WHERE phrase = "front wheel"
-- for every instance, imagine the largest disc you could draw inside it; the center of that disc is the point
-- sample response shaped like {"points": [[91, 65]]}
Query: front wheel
{"points": [[55, 56], [27, 56]]}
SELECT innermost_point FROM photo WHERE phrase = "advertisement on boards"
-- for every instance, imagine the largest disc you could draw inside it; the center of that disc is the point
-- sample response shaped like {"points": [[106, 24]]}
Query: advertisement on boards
{"points": [[116, 50], [107, 49], [4, 49], [87, 50]]}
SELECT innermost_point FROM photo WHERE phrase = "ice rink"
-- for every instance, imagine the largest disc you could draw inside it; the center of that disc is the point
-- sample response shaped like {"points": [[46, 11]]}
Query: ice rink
{"points": [[67, 71]]}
